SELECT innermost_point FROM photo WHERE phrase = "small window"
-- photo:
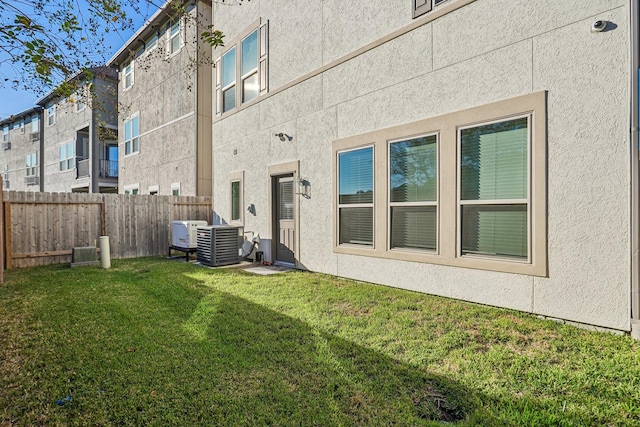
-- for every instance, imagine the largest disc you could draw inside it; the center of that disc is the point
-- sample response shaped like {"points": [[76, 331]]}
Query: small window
{"points": [[355, 197], [235, 201], [151, 43], [154, 190], [127, 70], [66, 156], [420, 7], [175, 189], [5, 133], [132, 135], [51, 115], [249, 72], [229, 80], [32, 164], [35, 124], [80, 100], [132, 189], [175, 42]]}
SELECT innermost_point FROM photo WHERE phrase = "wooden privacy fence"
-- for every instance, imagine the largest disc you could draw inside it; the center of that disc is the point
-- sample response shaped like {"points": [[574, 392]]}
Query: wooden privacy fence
{"points": [[42, 228]]}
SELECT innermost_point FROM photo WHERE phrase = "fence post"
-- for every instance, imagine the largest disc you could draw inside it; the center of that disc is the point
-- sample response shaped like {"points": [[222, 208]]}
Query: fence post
{"points": [[1, 231]]}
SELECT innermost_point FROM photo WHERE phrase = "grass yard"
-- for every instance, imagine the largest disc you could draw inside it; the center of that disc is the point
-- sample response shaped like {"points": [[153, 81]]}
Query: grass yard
{"points": [[157, 342]]}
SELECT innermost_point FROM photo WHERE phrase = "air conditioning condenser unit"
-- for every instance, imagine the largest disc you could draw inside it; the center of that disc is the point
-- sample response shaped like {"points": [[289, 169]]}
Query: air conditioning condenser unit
{"points": [[219, 245]]}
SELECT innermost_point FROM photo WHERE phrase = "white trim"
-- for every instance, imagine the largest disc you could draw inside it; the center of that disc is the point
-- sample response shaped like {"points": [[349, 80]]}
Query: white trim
{"points": [[166, 124], [131, 187], [153, 188], [175, 186]]}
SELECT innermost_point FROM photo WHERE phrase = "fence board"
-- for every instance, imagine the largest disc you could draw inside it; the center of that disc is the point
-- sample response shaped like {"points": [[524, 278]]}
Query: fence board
{"points": [[42, 228]]}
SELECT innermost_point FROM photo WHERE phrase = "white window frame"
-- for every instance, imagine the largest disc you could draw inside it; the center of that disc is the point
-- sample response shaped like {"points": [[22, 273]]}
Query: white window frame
{"points": [[154, 190], [51, 115], [132, 189], [175, 186], [5, 133], [134, 139], [171, 37], [80, 100], [31, 166], [21, 126], [128, 73], [68, 162], [35, 124]]}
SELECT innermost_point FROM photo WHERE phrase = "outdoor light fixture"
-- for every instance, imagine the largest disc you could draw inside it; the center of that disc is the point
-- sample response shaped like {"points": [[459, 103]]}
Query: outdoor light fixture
{"points": [[283, 136]]}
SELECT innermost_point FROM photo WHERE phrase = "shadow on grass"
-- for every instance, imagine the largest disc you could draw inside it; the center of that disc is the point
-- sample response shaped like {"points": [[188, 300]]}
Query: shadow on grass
{"points": [[144, 351], [273, 369]]}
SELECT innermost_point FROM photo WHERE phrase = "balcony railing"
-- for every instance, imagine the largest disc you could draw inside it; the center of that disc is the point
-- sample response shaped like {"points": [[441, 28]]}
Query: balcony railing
{"points": [[108, 168], [82, 167]]}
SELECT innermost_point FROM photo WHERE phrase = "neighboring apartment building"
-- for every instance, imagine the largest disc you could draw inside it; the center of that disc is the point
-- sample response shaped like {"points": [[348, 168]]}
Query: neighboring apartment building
{"points": [[80, 151], [474, 149], [22, 145], [164, 95]]}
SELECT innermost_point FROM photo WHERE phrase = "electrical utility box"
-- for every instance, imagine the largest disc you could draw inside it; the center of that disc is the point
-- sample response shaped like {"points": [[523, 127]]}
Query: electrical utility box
{"points": [[184, 233]]}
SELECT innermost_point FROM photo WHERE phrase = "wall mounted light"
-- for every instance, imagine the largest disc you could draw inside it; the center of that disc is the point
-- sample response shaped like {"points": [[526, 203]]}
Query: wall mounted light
{"points": [[304, 188], [283, 136]]}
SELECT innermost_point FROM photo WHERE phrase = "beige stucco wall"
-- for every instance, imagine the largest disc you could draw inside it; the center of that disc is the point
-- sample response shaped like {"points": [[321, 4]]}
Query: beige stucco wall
{"points": [[174, 126], [485, 51]]}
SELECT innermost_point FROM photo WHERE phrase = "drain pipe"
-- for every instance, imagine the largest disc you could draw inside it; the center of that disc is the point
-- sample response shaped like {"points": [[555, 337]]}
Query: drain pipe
{"points": [[635, 183]]}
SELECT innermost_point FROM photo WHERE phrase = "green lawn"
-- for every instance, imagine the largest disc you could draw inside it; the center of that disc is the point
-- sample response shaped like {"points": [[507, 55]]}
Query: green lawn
{"points": [[157, 342]]}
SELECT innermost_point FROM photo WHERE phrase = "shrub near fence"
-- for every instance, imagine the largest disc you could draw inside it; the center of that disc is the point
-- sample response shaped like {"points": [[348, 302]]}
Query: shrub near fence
{"points": [[42, 228]]}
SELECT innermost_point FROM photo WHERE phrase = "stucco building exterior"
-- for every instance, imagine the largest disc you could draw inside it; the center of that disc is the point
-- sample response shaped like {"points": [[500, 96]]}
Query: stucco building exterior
{"points": [[22, 145], [482, 150], [164, 102], [80, 151]]}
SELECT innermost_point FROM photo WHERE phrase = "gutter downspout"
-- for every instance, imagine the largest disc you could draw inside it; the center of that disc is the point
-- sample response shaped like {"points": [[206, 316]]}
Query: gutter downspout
{"points": [[634, 45]]}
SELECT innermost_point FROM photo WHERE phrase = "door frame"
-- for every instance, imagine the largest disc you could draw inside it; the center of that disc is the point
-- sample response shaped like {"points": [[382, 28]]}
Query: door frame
{"points": [[288, 168]]}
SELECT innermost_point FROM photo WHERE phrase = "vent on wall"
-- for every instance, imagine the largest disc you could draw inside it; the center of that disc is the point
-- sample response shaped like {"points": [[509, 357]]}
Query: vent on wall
{"points": [[218, 245]]}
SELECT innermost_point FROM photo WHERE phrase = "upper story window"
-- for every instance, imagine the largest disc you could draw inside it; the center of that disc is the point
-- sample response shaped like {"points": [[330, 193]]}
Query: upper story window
{"points": [[35, 124], [80, 100], [21, 126], [51, 115], [174, 37], [132, 135], [32, 164], [420, 7], [127, 70], [151, 43], [242, 70], [5, 133], [175, 189], [66, 156], [132, 189]]}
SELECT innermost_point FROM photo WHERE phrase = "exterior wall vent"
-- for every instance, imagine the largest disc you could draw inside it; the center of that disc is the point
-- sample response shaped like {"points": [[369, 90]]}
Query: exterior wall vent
{"points": [[6, 145]]}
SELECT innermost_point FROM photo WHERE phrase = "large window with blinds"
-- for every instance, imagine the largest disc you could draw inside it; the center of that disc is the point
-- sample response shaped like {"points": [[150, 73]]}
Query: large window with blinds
{"points": [[355, 196], [465, 189], [413, 192], [494, 189]]}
